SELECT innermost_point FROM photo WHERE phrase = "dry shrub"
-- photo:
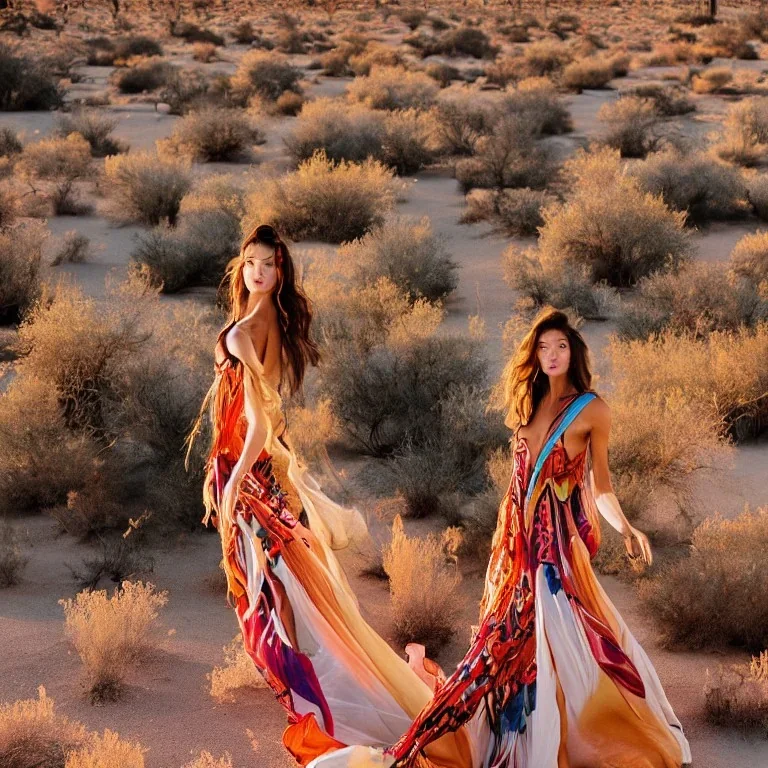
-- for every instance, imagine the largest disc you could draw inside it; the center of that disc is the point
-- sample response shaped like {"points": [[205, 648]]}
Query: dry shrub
{"points": [[757, 193], [10, 144], [610, 225], [75, 249], [589, 72], [344, 131], [207, 760], [669, 100], [699, 185], [62, 162], [724, 569], [728, 41], [393, 88], [324, 200], [408, 253], [146, 188], [546, 57], [443, 73], [95, 127], [543, 107], [12, 561], [462, 117], [113, 634], [213, 134], [107, 751], [408, 144], [515, 211], [143, 74], [204, 52], [32, 735], [194, 34], [27, 83], [374, 56], [460, 41], [186, 89], [510, 157], [727, 373], [20, 269], [745, 132], [236, 674], [266, 75], [738, 695], [423, 587], [749, 257], [698, 299], [106, 52], [41, 459], [545, 282], [711, 80], [632, 126]]}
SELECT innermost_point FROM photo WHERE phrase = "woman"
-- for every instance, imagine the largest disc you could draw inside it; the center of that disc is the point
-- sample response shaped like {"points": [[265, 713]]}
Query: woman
{"points": [[339, 682]]}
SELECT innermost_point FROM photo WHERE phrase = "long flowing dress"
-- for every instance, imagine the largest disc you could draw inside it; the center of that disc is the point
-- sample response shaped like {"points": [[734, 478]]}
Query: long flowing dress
{"points": [[552, 678]]}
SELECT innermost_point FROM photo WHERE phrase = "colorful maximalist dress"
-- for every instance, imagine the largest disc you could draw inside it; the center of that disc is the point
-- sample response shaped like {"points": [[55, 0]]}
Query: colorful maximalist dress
{"points": [[553, 678]]}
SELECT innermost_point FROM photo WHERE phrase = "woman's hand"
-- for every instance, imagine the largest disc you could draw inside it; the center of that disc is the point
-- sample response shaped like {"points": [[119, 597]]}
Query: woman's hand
{"points": [[637, 545]]}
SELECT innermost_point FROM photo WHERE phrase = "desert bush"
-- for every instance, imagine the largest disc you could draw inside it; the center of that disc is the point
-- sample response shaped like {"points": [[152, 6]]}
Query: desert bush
{"points": [[186, 89], [506, 70], [325, 200], [42, 460], [238, 672], [546, 57], [12, 561], [461, 41], [724, 372], [610, 225], [75, 249], [545, 283], [244, 33], [589, 72], [9, 142], [393, 88], [408, 144], [105, 52], [374, 56], [204, 52], [510, 157], [536, 99], [698, 299], [745, 132], [142, 75], [9, 206], [461, 119], [194, 34], [632, 126], [263, 74], [515, 211], [146, 188], [711, 80], [207, 760], [749, 257], [106, 750], [737, 696], [62, 162], [408, 253], [213, 134], [20, 269], [757, 193], [32, 734], [111, 634], [412, 17], [94, 127], [27, 83], [699, 185], [423, 589], [344, 132], [443, 73], [724, 568], [669, 100]]}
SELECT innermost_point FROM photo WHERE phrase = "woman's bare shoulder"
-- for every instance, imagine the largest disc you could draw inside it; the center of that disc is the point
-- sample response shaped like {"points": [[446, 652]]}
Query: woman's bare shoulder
{"points": [[598, 412]]}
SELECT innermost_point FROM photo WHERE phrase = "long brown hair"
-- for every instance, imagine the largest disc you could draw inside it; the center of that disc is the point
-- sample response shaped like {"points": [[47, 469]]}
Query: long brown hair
{"points": [[294, 309], [523, 382]]}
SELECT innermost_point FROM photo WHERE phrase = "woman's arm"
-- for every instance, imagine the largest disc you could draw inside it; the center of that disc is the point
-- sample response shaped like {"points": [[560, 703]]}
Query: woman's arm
{"points": [[635, 541]]}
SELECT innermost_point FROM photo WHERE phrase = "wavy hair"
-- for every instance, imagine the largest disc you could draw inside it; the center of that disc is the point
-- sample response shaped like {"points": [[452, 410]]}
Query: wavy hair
{"points": [[524, 384]]}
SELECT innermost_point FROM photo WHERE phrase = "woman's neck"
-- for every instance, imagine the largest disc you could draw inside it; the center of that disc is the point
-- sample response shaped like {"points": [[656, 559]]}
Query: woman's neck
{"points": [[560, 387]]}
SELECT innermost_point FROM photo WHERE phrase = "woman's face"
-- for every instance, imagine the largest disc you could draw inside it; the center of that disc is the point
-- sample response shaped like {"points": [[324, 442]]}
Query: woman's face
{"points": [[259, 270], [554, 353]]}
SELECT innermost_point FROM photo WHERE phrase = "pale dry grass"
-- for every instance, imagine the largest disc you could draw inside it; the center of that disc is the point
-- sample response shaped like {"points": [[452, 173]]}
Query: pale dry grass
{"points": [[237, 673], [737, 696], [32, 734], [107, 751], [424, 588], [324, 200], [724, 569], [207, 760], [112, 634]]}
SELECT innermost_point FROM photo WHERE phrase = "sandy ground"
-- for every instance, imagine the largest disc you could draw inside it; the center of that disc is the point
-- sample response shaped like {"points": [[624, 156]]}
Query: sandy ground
{"points": [[168, 708]]}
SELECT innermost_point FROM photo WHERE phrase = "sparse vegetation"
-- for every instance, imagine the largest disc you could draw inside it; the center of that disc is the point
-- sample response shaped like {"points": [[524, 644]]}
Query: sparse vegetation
{"points": [[27, 83], [737, 696], [12, 561], [20, 269], [515, 211], [265, 75], [632, 126], [237, 673], [393, 88], [749, 258], [94, 127]]}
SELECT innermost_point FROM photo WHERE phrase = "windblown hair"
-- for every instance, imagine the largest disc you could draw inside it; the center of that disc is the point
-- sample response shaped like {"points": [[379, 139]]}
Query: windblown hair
{"points": [[293, 307], [524, 384]]}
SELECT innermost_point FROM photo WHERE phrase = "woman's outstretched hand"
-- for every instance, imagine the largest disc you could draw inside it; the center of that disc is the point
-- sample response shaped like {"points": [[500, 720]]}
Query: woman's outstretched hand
{"points": [[637, 545]]}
